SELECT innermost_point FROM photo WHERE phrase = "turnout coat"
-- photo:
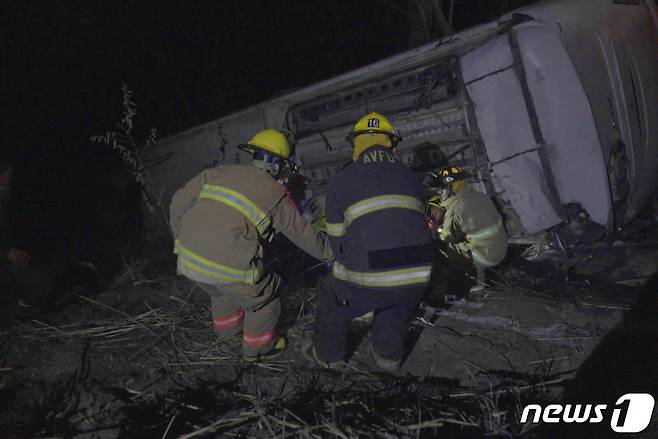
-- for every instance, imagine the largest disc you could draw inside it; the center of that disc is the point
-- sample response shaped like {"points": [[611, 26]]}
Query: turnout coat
{"points": [[221, 218], [376, 224]]}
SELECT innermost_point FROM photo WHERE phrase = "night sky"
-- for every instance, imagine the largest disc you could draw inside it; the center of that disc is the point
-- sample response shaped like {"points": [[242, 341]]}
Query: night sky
{"points": [[63, 63]]}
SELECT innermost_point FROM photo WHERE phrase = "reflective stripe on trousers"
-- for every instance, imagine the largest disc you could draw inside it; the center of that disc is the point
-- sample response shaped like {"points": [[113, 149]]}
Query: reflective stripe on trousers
{"points": [[239, 202], [259, 339], [484, 233], [222, 272], [370, 205], [478, 258], [392, 278], [229, 321]]}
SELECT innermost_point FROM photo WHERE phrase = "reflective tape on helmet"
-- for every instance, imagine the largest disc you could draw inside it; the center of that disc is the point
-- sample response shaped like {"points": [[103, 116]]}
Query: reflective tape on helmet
{"points": [[485, 233], [239, 202], [218, 271], [373, 204], [393, 278]]}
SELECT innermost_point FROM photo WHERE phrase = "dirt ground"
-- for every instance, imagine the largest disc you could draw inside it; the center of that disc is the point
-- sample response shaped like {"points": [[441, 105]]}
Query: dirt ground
{"points": [[138, 360]]}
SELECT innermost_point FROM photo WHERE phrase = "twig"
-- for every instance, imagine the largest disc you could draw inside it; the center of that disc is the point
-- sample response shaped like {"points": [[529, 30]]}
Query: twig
{"points": [[530, 386], [171, 421], [548, 360], [574, 337], [597, 305], [109, 307], [172, 401], [439, 423], [240, 419]]}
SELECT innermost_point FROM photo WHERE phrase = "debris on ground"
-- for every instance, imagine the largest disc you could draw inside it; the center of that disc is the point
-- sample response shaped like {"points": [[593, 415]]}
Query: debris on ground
{"points": [[140, 360]]}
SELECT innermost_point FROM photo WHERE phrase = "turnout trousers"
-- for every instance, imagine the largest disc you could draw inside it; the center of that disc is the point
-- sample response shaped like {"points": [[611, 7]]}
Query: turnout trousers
{"points": [[454, 273], [339, 302], [250, 309]]}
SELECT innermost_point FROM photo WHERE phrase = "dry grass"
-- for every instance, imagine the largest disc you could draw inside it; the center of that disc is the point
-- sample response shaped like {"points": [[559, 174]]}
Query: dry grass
{"points": [[280, 399]]}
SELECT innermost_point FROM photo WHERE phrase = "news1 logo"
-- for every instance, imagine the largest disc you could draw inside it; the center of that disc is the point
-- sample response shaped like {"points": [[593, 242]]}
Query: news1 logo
{"points": [[630, 414]]}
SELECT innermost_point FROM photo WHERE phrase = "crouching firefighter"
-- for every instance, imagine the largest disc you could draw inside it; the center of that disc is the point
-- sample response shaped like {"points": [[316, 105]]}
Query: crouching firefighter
{"points": [[220, 220], [383, 249], [467, 225]]}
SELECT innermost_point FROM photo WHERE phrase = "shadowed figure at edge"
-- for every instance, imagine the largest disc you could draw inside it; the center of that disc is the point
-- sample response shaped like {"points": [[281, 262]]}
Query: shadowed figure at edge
{"points": [[625, 361], [31, 284]]}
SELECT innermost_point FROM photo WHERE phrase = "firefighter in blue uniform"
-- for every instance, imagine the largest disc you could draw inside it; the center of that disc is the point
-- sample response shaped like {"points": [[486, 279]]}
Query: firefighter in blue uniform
{"points": [[383, 248]]}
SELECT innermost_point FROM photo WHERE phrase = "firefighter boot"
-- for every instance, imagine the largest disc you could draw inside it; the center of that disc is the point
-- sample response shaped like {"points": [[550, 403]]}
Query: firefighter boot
{"points": [[309, 352], [383, 363], [280, 345], [480, 279]]}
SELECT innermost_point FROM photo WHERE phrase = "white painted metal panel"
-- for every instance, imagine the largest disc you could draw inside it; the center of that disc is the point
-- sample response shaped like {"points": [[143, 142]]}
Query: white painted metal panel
{"points": [[490, 57], [506, 131], [525, 188], [502, 115], [170, 174], [573, 148]]}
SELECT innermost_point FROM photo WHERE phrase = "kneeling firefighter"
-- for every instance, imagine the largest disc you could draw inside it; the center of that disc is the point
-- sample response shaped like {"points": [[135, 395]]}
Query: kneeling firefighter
{"points": [[221, 220], [383, 248], [466, 223]]}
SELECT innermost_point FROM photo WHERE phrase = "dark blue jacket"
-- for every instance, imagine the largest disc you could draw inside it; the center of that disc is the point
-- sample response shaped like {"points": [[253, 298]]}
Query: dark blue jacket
{"points": [[376, 223]]}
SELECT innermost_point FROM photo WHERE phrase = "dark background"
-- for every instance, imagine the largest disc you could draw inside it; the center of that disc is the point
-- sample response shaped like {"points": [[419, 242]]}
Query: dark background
{"points": [[63, 63]]}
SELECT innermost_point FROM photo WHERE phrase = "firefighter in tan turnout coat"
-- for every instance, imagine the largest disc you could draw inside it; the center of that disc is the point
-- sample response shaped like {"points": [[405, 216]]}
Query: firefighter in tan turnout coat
{"points": [[220, 219], [466, 222]]}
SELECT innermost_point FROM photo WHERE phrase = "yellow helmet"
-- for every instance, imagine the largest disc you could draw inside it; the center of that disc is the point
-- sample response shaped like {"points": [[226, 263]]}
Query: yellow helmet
{"points": [[270, 140], [374, 123]]}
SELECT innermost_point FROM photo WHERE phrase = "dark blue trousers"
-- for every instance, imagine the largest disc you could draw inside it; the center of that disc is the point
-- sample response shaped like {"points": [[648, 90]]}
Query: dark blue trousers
{"points": [[339, 302]]}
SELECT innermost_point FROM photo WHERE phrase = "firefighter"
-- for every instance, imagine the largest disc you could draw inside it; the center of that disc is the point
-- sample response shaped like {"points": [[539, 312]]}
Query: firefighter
{"points": [[383, 248], [466, 223], [221, 221]]}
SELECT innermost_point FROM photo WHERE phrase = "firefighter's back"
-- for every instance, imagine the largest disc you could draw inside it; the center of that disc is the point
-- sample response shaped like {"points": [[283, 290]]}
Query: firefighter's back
{"points": [[233, 207]]}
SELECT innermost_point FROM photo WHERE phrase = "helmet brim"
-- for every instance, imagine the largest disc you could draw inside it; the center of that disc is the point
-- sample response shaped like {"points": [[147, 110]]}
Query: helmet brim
{"points": [[251, 149], [395, 137]]}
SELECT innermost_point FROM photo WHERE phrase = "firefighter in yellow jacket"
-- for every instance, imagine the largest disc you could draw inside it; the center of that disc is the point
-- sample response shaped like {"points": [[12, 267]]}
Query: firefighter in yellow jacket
{"points": [[220, 219], [467, 222]]}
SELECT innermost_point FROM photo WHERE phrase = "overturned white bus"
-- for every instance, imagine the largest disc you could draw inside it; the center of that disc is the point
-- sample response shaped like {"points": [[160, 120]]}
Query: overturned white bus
{"points": [[551, 108]]}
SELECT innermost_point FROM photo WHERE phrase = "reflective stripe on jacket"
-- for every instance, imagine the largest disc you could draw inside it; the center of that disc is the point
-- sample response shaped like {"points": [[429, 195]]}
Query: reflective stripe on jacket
{"points": [[216, 271], [220, 217], [370, 205], [239, 202], [388, 278], [376, 223], [473, 223]]}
